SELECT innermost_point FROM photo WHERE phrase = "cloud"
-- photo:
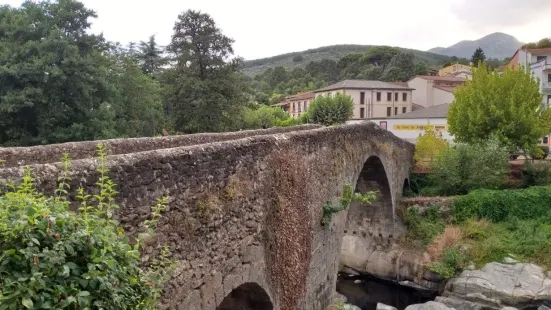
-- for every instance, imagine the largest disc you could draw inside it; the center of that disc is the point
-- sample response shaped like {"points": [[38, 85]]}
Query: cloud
{"points": [[490, 14]]}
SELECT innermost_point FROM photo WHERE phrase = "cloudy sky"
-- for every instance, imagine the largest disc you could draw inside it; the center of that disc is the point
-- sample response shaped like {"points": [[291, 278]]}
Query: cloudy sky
{"points": [[265, 28]]}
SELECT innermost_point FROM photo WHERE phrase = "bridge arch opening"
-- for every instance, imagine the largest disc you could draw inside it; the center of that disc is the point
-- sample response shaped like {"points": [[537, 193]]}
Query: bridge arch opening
{"points": [[368, 226], [406, 189], [248, 296]]}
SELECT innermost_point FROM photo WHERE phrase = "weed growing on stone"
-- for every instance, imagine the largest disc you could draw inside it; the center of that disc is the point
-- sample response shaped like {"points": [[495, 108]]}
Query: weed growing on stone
{"points": [[348, 196]]}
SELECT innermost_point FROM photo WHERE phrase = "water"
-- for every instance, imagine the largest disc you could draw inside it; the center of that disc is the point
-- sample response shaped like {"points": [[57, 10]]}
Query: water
{"points": [[370, 291]]}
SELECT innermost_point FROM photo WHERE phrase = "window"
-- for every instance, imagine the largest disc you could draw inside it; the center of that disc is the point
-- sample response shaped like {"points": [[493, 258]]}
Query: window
{"points": [[540, 58], [545, 140], [404, 110], [549, 99], [362, 98], [549, 78], [388, 96], [298, 104], [378, 96], [362, 113], [388, 111], [395, 96], [404, 97], [396, 111], [304, 105]]}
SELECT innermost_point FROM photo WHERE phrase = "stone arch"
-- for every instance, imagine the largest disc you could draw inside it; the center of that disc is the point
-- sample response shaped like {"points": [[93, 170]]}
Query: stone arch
{"points": [[369, 226], [247, 296]]}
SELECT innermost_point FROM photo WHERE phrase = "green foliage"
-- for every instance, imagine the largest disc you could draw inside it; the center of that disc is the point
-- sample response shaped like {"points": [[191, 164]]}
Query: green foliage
{"points": [[478, 57], [52, 257], [331, 110], [348, 196], [204, 89], [290, 121], [150, 56], [265, 117], [536, 174], [507, 107], [543, 43], [500, 205], [453, 260], [466, 167], [428, 146], [400, 68], [423, 229], [60, 83]]}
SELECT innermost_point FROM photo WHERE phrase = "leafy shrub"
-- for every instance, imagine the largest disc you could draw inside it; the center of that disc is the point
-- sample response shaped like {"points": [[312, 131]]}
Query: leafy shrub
{"points": [[263, 117], [331, 110], [465, 167], [288, 122], [423, 229], [428, 146], [539, 152], [53, 258], [453, 260], [448, 238], [534, 174], [501, 205]]}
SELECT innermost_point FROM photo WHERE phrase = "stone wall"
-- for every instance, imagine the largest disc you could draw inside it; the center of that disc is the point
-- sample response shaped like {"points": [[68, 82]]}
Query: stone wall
{"points": [[42, 154], [246, 210]]}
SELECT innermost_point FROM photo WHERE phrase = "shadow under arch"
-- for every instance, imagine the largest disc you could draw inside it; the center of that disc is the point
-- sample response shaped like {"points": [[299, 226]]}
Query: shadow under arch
{"points": [[406, 189], [247, 296]]}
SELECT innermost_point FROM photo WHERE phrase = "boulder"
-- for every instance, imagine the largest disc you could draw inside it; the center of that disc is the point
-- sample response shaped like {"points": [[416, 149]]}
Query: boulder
{"points": [[431, 305], [458, 303], [544, 307], [498, 285], [381, 306], [351, 307]]}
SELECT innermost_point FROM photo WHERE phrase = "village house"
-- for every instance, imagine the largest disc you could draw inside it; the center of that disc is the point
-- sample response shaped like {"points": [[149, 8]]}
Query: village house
{"points": [[434, 90], [453, 68], [297, 104], [538, 61], [372, 99]]}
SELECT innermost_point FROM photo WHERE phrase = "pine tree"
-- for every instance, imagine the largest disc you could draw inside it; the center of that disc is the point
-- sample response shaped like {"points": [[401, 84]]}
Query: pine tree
{"points": [[150, 56], [478, 57]]}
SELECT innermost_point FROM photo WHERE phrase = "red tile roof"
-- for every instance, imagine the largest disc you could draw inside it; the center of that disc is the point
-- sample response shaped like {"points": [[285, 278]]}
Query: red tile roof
{"points": [[449, 89], [442, 78], [303, 96]]}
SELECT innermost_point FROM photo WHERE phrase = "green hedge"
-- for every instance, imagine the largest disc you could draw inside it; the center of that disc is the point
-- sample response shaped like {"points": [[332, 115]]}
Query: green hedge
{"points": [[502, 205]]}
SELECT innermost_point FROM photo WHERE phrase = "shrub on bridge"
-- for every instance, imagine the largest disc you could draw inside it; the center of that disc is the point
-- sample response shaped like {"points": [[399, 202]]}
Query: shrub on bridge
{"points": [[467, 167], [52, 258]]}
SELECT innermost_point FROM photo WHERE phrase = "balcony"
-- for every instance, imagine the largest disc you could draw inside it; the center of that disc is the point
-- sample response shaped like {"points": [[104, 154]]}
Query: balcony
{"points": [[541, 65], [546, 86]]}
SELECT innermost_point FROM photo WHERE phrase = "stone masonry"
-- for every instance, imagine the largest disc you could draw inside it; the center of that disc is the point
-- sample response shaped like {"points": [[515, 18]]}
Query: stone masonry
{"points": [[244, 208]]}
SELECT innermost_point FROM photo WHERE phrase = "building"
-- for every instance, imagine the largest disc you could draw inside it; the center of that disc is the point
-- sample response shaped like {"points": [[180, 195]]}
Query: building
{"points": [[372, 99], [453, 68], [297, 104], [409, 126], [538, 61], [434, 90]]}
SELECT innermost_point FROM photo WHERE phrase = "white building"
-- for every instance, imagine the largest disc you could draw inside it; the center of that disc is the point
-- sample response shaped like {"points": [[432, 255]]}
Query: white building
{"points": [[434, 90], [538, 61], [410, 126], [373, 99]]}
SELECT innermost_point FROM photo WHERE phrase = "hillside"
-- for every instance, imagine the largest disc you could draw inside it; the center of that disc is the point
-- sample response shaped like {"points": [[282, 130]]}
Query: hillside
{"points": [[334, 52], [495, 45]]}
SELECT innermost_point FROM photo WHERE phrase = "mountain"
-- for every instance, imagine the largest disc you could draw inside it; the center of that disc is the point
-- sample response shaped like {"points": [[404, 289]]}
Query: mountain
{"points": [[495, 45], [334, 52]]}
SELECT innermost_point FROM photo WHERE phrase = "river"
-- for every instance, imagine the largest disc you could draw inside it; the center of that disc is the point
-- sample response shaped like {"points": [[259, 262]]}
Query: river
{"points": [[365, 292]]}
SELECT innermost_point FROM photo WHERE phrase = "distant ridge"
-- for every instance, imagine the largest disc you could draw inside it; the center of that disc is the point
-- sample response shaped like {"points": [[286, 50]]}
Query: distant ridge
{"points": [[495, 45], [333, 52]]}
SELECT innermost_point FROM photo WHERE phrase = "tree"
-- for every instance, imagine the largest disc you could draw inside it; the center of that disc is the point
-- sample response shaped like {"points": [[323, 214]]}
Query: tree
{"points": [[428, 146], [331, 110], [150, 56], [478, 57], [298, 58], [205, 87], [508, 108], [53, 73], [380, 56], [400, 68]]}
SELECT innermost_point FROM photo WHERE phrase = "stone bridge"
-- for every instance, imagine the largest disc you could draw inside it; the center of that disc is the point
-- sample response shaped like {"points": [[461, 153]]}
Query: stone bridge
{"points": [[243, 220]]}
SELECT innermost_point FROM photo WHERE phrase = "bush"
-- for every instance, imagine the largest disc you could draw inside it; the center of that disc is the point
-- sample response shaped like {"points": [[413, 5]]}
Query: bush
{"points": [[539, 152], [465, 167], [536, 174], [501, 205], [428, 146], [263, 117], [423, 229], [331, 110], [53, 258], [288, 122], [453, 260]]}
